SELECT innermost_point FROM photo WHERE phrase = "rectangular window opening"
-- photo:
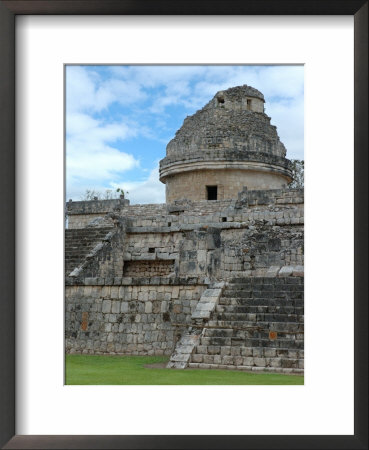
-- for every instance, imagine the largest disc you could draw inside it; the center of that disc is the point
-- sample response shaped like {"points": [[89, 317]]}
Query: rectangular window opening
{"points": [[248, 104], [151, 249], [212, 192]]}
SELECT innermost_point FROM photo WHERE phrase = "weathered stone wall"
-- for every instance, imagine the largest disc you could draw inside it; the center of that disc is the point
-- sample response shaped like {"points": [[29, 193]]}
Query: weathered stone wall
{"points": [[210, 239], [234, 127], [159, 268], [185, 212], [80, 242], [191, 185], [128, 316], [136, 291], [82, 214], [82, 221], [230, 135], [241, 98]]}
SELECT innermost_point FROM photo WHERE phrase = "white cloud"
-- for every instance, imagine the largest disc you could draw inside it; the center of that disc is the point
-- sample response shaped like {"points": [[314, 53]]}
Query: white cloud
{"points": [[150, 190], [105, 164], [80, 89], [288, 116], [90, 154], [93, 132], [88, 91]]}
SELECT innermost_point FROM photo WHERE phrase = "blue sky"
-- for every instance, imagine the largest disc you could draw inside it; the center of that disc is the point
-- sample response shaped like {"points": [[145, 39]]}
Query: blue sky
{"points": [[119, 119]]}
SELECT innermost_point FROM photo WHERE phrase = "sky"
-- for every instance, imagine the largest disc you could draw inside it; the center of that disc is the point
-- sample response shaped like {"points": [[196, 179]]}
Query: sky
{"points": [[119, 119]]}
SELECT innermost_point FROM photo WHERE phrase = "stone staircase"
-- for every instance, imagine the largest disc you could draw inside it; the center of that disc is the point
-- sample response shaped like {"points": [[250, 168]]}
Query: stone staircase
{"points": [[257, 325], [79, 242], [184, 349]]}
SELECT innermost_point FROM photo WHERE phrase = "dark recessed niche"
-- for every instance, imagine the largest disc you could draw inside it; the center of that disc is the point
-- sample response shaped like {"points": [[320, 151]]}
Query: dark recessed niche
{"points": [[224, 219], [169, 224], [151, 249], [212, 192]]}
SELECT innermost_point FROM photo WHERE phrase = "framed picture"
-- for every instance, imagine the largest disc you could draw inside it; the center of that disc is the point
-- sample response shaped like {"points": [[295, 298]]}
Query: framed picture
{"points": [[222, 416]]}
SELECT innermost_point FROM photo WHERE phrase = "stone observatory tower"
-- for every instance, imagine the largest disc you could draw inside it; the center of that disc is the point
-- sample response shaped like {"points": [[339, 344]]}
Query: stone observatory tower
{"points": [[227, 145]]}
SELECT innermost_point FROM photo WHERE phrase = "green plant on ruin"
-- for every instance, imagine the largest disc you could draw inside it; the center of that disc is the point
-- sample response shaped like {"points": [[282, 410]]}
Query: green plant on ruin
{"points": [[121, 192]]}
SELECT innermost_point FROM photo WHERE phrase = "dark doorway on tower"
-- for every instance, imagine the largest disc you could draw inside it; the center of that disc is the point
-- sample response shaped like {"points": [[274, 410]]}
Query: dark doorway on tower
{"points": [[212, 192]]}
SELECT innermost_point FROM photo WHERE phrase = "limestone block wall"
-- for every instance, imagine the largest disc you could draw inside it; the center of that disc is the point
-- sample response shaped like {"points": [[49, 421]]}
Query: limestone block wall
{"points": [[251, 251], [182, 211], [81, 214], [128, 315], [82, 221], [79, 242], [210, 239], [137, 291], [105, 259], [151, 245], [245, 103], [192, 185], [154, 268]]}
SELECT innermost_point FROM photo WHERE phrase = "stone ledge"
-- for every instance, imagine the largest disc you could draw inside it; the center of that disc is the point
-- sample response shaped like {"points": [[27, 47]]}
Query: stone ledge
{"points": [[223, 155], [210, 164], [245, 368], [132, 281], [95, 206]]}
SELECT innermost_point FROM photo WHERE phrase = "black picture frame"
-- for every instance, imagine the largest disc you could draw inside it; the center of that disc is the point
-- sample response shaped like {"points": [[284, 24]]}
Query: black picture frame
{"points": [[8, 12]]}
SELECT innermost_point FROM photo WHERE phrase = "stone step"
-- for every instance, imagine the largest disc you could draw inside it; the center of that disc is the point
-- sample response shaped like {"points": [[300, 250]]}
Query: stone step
{"points": [[223, 326], [79, 243], [285, 363], [234, 293], [292, 343], [181, 356], [250, 351], [87, 230], [82, 242], [85, 233], [75, 238], [245, 368], [275, 325], [254, 339], [256, 317], [268, 284], [261, 302], [252, 329], [264, 294], [82, 239], [267, 289], [234, 327], [259, 309], [265, 280]]}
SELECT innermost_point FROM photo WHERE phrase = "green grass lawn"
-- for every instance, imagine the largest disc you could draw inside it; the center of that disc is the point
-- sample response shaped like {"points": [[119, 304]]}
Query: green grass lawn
{"points": [[115, 370]]}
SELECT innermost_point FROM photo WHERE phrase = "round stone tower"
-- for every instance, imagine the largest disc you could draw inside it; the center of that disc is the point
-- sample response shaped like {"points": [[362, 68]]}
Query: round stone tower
{"points": [[226, 145]]}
